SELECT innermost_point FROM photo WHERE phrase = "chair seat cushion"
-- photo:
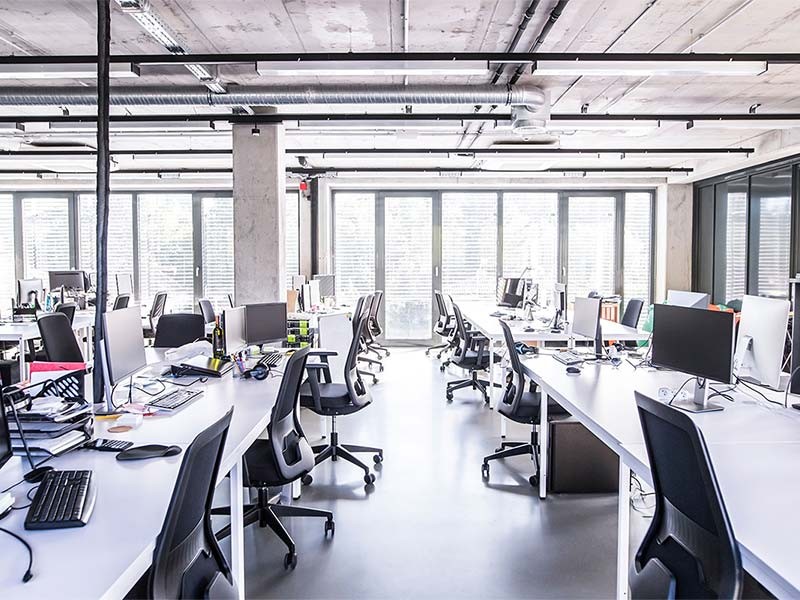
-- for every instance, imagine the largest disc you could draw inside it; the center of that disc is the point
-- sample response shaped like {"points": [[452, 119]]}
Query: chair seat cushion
{"points": [[334, 399], [528, 409], [260, 466]]}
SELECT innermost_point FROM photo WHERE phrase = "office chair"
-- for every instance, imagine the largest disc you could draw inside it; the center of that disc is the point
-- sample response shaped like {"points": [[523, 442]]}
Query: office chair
{"points": [[207, 310], [121, 301], [472, 354], [58, 338], [358, 312], [443, 326], [689, 550], [187, 561], [176, 329], [283, 458], [156, 311], [68, 309], [328, 399], [521, 406], [374, 329], [630, 318]]}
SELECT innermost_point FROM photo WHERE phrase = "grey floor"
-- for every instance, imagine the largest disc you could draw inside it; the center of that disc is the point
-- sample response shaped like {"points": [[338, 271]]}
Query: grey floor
{"points": [[431, 527]]}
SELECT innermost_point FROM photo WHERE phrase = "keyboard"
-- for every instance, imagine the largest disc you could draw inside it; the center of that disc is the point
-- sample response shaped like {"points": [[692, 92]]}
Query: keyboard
{"points": [[175, 399], [273, 359], [568, 357], [63, 499]]}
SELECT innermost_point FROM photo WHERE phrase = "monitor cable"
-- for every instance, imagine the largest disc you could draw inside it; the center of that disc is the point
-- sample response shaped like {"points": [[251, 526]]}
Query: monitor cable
{"points": [[28, 575]]}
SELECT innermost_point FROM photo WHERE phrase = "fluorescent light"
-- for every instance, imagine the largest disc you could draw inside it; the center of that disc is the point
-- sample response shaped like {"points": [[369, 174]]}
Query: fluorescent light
{"points": [[11, 127], [367, 68], [66, 71], [603, 68], [743, 124], [388, 124], [140, 126], [601, 125]]}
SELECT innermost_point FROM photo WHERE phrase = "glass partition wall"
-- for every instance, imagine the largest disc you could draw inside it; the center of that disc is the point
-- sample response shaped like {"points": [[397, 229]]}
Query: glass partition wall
{"points": [[409, 244]]}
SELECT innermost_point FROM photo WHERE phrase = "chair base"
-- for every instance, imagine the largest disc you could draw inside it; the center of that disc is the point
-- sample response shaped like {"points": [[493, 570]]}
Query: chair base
{"points": [[476, 384], [335, 451], [266, 515], [509, 449]]}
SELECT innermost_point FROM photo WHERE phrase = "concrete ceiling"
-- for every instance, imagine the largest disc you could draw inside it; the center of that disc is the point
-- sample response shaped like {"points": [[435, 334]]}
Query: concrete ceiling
{"points": [[57, 27]]}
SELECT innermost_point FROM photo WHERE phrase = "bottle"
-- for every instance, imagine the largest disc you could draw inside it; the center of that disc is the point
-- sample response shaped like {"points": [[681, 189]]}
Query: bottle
{"points": [[218, 340]]}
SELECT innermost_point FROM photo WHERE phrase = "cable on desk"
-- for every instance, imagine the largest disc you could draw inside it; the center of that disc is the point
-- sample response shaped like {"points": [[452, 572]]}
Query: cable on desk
{"points": [[39, 464], [28, 575], [184, 385], [788, 387], [753, 389], [28, 496], [678, 391]]}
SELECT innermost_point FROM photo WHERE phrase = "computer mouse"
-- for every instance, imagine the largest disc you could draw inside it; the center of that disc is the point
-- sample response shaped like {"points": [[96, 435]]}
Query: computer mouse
{"points": [[37, 474], [148, 451], [573, 370]]}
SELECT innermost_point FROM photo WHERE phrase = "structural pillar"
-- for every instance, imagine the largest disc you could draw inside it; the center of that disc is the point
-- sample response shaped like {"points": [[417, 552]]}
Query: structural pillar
{"points": [[259, 213], [674, 237]]}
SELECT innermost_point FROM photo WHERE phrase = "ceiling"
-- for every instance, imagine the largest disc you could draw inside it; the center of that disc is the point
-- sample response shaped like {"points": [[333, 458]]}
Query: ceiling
{"points": [[61, 27]]}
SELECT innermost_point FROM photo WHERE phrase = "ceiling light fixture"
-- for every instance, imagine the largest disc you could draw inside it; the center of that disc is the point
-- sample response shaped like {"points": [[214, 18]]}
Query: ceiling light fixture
{"points": [[743, 124], [255, 131], [369, 68], [66, 71], [646, 68]]}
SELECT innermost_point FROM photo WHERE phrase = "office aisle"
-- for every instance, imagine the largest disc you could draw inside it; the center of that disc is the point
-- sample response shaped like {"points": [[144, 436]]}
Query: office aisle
{"points": [[431, 527]]}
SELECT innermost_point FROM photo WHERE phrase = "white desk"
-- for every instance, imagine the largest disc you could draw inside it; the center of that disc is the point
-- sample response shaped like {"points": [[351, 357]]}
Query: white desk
{"points": [[602, 398], [105, 558]]}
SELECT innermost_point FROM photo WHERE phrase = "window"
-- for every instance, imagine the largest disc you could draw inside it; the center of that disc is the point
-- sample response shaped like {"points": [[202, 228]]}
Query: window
{"points": [[731, 241], [8, 280], [469, 245], [354, 245], [770, 233], [292, 236], [591, 246], [530, 237], [217, 244], [120, 236], [637, 245], [45, 234], [166, 260]]}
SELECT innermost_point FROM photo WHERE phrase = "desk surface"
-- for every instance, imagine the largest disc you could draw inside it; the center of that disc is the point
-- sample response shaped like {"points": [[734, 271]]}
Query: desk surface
{"points": [[107, 556], [30, 330]]}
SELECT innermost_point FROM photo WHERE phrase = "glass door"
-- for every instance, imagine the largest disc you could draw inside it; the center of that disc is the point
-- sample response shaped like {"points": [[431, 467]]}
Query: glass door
{"points": [[406, 269]]}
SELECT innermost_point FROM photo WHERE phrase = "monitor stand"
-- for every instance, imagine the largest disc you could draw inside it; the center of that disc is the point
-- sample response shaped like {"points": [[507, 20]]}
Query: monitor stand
{"points": [[700, 403]]}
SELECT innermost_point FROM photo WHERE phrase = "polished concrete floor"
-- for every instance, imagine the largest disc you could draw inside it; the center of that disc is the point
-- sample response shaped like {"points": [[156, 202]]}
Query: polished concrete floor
{"points": [[431, 527]]}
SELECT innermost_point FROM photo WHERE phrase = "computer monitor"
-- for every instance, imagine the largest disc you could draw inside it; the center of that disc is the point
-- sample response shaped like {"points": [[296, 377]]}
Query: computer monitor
{"points": [[71, 280], [123, 347], [687, 299], [25, 287], [124, 283], [265, 322], [327, 285], [5, 436], [314, 298], [761, 339], [586, 321], [697, 342], [233, 324], [298, 281]]}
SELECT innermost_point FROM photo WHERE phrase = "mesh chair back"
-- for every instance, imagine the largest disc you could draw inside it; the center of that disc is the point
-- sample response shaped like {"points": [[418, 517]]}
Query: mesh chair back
{"points": [[359, 394], [58, 338], [207, 310], [158, 307], [690, 534], [374, 324], [357, 312], [121, 301], [292, 452], [177, 329], [441, 322], [461, 333], [633, 311], [187, 561], [516, 382], [68, 309]]}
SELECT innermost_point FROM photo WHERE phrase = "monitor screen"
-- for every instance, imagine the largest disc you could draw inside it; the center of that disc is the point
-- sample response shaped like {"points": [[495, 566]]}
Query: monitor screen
{"points": [[124, 343], [71, 280], [233, 326], [26, 286], [266, 322], [697, 342], [5, 437], [586, 317]]}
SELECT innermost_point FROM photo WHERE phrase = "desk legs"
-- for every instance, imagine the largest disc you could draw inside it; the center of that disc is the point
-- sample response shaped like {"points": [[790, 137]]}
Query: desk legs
{"points": [[237, 527], [23, 375], [544, 442], [623, 530], [491, 373]]}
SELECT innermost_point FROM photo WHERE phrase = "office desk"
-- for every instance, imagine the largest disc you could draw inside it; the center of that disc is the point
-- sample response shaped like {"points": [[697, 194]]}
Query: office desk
{"points": [[107, 556], [602, 399], [19, 333]]}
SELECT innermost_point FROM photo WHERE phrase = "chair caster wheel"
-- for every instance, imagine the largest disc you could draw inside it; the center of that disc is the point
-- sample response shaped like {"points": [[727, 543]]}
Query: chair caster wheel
{"points": [[533, 480], [449, 397], [441, 368], [369, 479], [388, 353], [290, 561], [485, 471], [377, 459], [499, 449], [374, 380], [307, 480], [380, 369], [427, 353], [330, 526]]}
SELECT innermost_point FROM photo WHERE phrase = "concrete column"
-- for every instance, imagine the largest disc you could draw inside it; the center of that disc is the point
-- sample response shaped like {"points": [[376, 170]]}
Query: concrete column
{"points": [[259, 214], [678, 216]]}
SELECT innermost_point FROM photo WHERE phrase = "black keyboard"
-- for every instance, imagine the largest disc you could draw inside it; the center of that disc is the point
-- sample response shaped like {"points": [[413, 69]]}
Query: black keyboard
{"points": [[104, 445], [175, 399], [273, 359], [64, 499]]}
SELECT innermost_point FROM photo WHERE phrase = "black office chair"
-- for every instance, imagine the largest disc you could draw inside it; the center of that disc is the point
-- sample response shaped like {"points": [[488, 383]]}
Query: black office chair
{"points": [[121, 301], [157, 309], [328, 399], [374, 329], [58, 338], [689, 550], [176, 329], [366, 337], [188, 562], [68, 309], [207, 310], [472, 354], [358, 312], [443, 326], [283, 458], [630, 318], [521, 405]]}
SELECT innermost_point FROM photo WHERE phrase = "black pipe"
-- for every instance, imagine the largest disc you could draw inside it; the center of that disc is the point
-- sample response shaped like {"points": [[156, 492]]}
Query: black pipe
{"points": [[512, 45], [551, 20], [103, 187]]}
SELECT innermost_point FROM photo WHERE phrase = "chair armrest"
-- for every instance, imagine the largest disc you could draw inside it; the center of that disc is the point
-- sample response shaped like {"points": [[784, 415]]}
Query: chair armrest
{"points": [[322, 352], [313, 383], [316, 368]]}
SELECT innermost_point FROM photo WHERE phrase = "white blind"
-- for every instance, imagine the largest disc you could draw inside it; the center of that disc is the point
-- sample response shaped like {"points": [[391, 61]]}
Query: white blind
{"points": [[166, 260], [591, 246], [8, 282], [45, 234], [530, 237], [292, 236], [217, 243], [120, 236], [637, 267], [774, 243], [469, 245], [736, 246], [354, 245], [409, 255]]}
